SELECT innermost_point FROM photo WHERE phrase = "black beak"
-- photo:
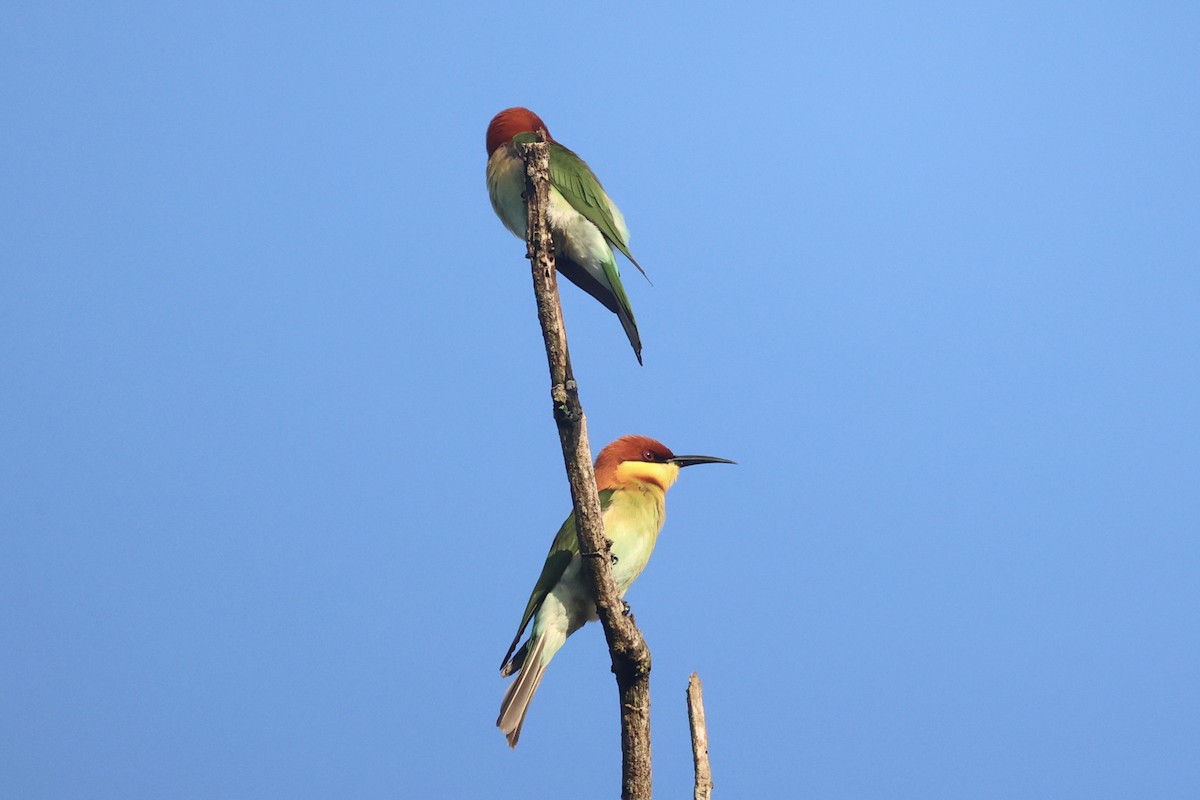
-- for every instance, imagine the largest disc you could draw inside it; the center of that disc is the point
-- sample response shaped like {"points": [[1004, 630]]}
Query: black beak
{"points": [[687, 461]]}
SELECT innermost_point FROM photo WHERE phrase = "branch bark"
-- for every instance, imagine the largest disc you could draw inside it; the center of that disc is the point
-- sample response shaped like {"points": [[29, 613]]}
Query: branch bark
{"points": [[630, 655], [699, 726]]}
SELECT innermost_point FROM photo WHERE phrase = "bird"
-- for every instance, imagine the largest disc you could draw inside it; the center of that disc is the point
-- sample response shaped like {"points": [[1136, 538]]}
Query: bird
{"points": [[633, 475], [585, 223]]}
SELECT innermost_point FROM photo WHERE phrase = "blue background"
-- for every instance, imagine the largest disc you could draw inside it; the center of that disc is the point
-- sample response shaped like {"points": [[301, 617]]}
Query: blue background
{"points": [[278, 466]]}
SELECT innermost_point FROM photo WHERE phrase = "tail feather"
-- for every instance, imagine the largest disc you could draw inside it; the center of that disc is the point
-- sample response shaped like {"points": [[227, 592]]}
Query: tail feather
{"points": [[578, 275], [631, 331], [515, 704], [513, 664], [614, 301]]}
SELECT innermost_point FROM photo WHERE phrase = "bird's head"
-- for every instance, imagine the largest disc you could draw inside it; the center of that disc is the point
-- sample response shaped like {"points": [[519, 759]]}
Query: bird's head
{"points": [[640, 459], [508, 123]]}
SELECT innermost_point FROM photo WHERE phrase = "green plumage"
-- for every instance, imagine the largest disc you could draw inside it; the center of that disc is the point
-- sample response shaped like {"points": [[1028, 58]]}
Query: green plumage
{"points": [[586, 224], [564, 547], [580, 187]]}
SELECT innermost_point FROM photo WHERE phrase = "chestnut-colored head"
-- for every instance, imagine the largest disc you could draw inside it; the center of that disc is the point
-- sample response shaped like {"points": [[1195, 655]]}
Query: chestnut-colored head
{"points": [[633, 449], [508, 123], [642, 460]]}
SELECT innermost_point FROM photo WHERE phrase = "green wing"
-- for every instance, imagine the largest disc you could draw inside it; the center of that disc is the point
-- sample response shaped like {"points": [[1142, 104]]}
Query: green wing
{"points": [[564, 548], [576, 182], [581, 188]]}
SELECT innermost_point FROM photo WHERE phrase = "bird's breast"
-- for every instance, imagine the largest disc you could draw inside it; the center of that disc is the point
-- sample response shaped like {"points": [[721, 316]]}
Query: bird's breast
{"points": [[632, 523], [506, 189], [574, 235]]}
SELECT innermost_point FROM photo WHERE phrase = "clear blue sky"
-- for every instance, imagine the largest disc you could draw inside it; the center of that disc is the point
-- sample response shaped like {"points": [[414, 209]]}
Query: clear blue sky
{"points": [[278, 466]]}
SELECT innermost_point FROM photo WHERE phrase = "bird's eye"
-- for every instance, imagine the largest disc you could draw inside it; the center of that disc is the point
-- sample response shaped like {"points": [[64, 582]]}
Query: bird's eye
{"points": [[648, 456]]}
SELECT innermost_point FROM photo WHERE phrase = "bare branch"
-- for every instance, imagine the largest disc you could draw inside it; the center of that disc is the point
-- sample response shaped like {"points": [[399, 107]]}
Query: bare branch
{"points": [[630, 655], [695, 704]]}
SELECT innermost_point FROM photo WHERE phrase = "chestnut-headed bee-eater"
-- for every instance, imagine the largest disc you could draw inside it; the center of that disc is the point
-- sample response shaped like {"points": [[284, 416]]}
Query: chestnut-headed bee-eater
{"points": [[585, 224], [633, 475]]}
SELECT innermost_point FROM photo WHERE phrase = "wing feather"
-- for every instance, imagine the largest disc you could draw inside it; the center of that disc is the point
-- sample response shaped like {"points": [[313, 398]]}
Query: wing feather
{"points": [[562, 550], [576, 182]]}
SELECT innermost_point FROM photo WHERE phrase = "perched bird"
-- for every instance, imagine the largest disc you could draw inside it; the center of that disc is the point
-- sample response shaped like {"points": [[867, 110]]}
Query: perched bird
{"points": [[633, 475], [585, 223]]}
